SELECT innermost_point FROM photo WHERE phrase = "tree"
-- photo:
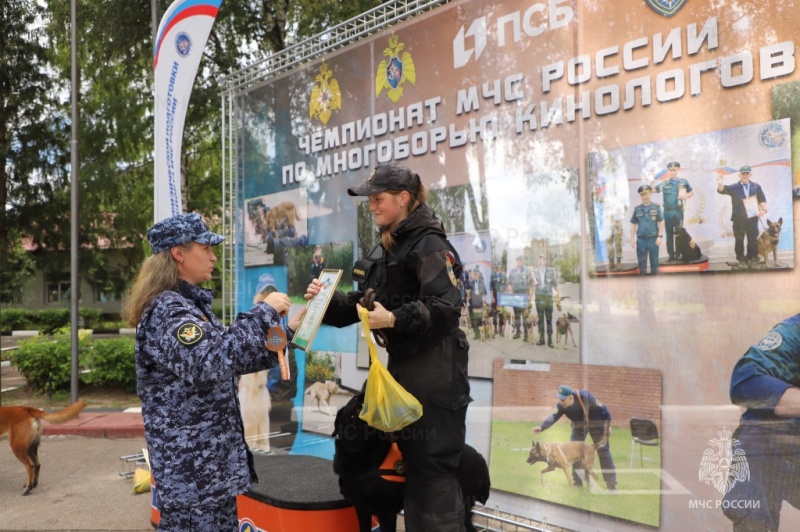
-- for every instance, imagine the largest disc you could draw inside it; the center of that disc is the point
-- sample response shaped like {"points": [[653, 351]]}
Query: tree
{"points": [[31, 131], [115, 134]]}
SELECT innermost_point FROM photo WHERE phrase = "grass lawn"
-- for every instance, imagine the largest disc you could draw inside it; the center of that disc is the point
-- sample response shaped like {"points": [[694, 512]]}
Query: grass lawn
{"points": [[638, 489]]}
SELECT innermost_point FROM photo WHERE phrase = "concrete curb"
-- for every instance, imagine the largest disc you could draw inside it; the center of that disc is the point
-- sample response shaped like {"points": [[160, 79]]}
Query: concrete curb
{"points": [[100, 425], [124, 331]]}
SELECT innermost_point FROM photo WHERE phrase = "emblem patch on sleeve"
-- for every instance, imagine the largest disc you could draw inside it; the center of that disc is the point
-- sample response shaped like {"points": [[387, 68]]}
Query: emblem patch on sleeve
{"points": [[450, 259], [189, 333], [771, 341]]}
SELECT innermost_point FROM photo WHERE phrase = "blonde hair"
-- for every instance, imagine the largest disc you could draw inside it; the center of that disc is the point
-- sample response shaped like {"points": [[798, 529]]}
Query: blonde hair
{"points": [[158, 273], [387, 240]]}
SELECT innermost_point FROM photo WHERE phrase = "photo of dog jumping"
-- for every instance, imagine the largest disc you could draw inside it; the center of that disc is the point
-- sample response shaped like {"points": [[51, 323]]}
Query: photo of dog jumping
{"points": [[24, 427]]}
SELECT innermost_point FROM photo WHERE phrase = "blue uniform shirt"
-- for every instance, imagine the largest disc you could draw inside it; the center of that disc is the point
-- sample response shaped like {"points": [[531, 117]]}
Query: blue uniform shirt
{"points": [[646, 219], [767, 370], [670, 188], [597, 410], [186, 363]]}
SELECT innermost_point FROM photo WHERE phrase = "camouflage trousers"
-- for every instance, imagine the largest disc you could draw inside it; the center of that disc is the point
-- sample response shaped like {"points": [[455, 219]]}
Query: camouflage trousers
{"points": [[200, 518]]}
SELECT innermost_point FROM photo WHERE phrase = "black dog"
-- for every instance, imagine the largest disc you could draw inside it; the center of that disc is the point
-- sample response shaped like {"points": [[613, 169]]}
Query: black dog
{"points": [[360, 450], [684, 251]]}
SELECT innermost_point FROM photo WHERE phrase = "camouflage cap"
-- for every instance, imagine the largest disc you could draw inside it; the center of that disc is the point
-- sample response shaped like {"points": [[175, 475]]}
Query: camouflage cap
{"points": [[388, 176], [181, 229]]}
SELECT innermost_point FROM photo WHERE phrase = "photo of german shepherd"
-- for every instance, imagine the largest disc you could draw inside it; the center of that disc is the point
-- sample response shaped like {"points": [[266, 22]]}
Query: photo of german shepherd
{"points": [[768, 242], [24, 427], [565, 454]]}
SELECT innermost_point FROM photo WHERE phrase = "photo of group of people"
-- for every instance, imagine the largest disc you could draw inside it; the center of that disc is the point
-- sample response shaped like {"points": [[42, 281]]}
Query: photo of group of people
{"points": [[515, 303], [718, 201]]}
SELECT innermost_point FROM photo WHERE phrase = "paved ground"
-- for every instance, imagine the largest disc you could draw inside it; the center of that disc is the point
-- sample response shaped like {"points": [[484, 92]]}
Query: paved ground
{"points": [[79, 487]]}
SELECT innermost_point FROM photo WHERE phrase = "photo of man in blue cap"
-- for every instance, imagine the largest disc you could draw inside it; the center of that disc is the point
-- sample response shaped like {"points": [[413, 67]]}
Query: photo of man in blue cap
{"points": [[588, 416], [676, 190], [748, 204], [647, 229]]}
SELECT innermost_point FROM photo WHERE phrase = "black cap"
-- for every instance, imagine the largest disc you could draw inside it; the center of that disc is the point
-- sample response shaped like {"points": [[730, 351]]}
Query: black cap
{"points": [[645, 188], [674, 164], [388, 176]]}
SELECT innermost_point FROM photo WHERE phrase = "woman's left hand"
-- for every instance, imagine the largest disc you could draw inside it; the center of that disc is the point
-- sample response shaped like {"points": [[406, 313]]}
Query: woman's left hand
{"points": [[294, 321], [379, 318]]}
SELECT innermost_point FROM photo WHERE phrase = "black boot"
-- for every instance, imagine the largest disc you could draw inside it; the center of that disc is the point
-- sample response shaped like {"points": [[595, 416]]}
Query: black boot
{"points": [[549, 341]]}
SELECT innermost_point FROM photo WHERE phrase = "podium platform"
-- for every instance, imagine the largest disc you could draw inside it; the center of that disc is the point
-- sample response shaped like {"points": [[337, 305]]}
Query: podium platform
{"points": [[294, 493]]}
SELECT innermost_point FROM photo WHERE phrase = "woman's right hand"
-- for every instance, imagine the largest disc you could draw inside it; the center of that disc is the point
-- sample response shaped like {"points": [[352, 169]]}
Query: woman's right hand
{"points": [[313, 289], [279, 301]]}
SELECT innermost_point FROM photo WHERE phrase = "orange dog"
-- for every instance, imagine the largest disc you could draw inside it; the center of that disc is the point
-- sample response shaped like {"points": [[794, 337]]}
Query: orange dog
{"points": [[24, 427]]}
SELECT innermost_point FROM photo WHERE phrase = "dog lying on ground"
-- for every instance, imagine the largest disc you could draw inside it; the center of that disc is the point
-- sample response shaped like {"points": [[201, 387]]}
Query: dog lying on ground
{"points": [[24, 427], [564, 329], [686, 250], [255, 404], [565, 454], [768, 242], [321, 392], [276, 215], [373, 479]]}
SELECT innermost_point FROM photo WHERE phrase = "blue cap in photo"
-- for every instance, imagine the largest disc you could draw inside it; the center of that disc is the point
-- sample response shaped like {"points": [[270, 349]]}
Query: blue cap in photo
{"points": [[265, 280], [564, 391]]}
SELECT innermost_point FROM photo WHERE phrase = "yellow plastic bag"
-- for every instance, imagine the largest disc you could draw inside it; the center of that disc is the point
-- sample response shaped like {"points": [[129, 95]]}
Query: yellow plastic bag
{"points": [[387, 405], [141, 480]]}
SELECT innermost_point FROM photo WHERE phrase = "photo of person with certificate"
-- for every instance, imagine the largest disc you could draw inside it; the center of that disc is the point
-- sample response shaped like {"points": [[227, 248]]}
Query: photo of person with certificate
{"points": [[748, 205]]}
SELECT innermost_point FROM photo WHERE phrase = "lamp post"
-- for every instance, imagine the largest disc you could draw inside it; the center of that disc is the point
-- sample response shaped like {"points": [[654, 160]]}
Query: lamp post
{"points": [[74, 242]]}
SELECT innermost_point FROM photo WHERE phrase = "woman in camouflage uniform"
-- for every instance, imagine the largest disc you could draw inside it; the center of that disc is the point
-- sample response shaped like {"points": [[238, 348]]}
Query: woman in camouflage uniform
{"points": [[186, 365]]}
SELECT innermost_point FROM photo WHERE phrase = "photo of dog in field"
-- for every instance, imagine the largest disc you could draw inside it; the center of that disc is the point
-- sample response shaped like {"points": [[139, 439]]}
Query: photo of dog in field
{"points": [[565, 454], [24, 427], [624, 485]]}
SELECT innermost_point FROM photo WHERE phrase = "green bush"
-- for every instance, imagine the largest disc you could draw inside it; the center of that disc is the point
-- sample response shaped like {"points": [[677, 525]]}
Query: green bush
{"points": [[90, 317], [318, 373], [45, 362], [320, 366], [112, 363], [51, 319], [14, 319]]}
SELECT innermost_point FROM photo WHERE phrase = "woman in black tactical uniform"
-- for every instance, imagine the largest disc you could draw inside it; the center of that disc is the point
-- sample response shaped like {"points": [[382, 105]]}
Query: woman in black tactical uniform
{"points": [[414, 272]]}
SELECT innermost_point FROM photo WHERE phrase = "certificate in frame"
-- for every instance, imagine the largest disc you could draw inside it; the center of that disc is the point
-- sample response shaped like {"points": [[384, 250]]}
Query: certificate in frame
{"points": [[315, 310]]}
